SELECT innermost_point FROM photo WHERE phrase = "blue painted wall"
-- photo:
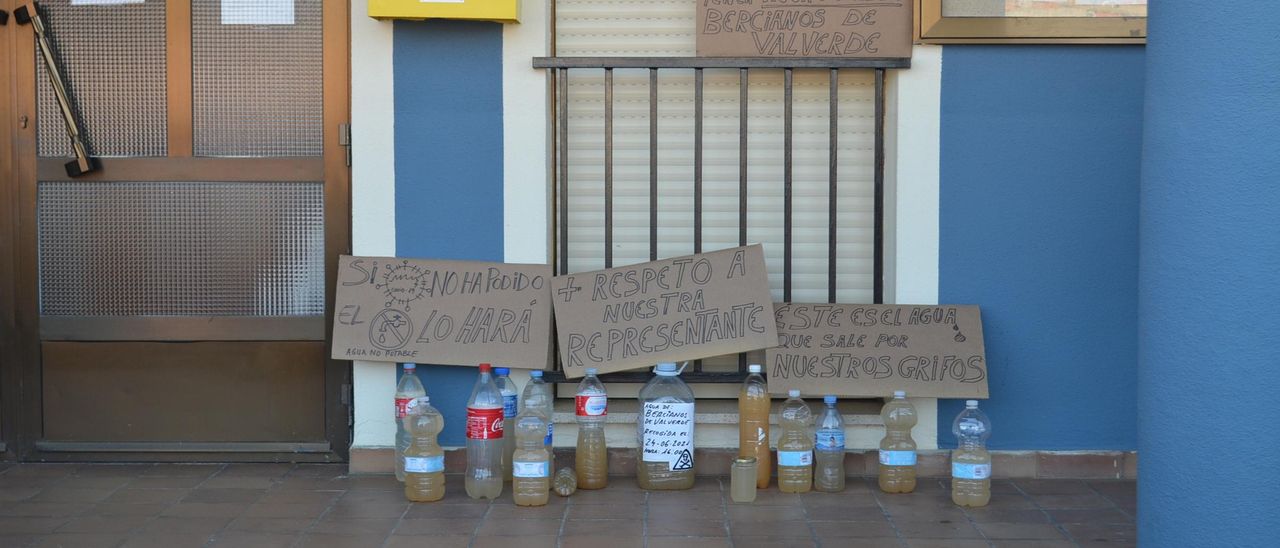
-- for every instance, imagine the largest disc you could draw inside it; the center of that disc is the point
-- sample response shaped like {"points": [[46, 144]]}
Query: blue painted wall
{"points": [[1210, 221], [1040, 157], [448, 139]]}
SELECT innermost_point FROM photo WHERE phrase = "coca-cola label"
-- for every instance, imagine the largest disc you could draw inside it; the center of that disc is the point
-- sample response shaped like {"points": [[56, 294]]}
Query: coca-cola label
{"points": [[592, 406], [402, 407], [484, 423]]}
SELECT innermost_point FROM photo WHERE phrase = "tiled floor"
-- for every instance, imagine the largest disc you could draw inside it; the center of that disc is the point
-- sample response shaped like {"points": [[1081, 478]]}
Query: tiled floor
{"points": [[172, 506]]}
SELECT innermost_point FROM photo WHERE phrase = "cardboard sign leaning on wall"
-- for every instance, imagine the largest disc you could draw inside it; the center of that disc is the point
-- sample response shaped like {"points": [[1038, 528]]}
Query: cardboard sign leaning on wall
{"points": [[866, 350], [443, 312], [684, 308]]}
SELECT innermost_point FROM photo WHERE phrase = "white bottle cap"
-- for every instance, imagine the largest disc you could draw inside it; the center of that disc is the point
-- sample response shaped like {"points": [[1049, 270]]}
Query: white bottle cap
{"points": [[971, 404], [793, 393], [754, 368], [666, 369], [591, 371], [899, 394]]}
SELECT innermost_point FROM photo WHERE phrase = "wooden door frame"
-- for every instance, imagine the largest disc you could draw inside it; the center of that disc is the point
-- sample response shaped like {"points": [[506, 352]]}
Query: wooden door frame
{"points": [[20, 360]]}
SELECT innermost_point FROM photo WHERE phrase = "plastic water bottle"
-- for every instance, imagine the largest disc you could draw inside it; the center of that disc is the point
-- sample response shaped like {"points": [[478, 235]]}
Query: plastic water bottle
{"points": [[665, 431], [407, 390], [753, 423], [537, 394], [531, 467], [510, 408], [424, 460], [970, 462], [828, 449], [897, 449], [484, 438], [795, 445], [591, 406]]}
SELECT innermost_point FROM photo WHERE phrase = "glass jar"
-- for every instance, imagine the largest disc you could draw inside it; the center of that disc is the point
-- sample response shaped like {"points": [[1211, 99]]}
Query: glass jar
{"points": [[742, 480]]}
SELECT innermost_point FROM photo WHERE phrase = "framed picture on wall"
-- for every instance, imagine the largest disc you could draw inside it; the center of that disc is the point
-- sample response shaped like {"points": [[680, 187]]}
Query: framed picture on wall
{"points": [[1031, 21]]}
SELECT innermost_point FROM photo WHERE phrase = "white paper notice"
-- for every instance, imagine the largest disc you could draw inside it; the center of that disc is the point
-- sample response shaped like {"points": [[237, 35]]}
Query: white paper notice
{"points": [[668, 434], [103, 2], [257, 12]]}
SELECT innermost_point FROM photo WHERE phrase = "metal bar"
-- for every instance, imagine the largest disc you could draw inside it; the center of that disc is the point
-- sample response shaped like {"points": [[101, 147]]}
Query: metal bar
{"points": [[562, 148], [878, 268], [697, 161], [180, 447], [718, 62], [786, 185], [84, 163], [653, 164], [743, 80], [181, 328], [608, 168], [832, 194]]}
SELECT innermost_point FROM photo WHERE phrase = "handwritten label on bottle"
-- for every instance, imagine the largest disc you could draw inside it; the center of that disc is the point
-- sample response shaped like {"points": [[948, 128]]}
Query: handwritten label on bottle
{"points": [[667, 431]]}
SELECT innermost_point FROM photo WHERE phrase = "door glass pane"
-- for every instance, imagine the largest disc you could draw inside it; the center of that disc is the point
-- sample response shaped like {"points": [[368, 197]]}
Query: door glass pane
{"points": [[257, 80], [181, 249], [113, 64]]}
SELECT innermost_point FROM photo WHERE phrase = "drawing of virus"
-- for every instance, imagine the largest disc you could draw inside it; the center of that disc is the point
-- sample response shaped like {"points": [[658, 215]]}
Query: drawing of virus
{"points": [[402, 284]]}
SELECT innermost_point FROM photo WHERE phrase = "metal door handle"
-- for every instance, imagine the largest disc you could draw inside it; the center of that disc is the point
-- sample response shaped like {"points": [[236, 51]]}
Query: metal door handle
{"points": [[30, 13]]}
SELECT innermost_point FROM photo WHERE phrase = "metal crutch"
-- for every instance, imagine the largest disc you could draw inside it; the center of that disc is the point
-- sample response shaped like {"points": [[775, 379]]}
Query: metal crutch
{"points": [[30, 13]]}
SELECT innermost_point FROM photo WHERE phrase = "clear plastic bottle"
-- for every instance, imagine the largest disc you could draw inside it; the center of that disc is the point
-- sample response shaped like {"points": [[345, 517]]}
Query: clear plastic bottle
{"points": [[897, 449], [424, 459], [795, 445], [970, 462], [665, 431], [531, 465], [407, 390], [753, 423], [828, 449], [537, 394], [484, 438], [591, 406], [510, 407]]}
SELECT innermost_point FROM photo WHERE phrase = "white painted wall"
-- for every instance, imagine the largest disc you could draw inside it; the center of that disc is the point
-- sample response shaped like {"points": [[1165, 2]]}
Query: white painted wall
{"points": [[373, 202]]}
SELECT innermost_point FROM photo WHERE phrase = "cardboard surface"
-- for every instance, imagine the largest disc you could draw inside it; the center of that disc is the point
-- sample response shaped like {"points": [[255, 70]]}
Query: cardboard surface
{"points": [[871, 350], [804, 28], [443, 312], [677, 309]]}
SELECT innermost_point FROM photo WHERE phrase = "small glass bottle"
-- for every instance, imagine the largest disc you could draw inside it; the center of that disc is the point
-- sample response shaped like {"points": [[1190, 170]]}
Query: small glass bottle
{"points": [[742, 480]]}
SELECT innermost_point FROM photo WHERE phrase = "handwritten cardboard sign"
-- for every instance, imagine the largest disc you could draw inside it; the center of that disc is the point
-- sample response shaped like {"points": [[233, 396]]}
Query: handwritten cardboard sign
{"points": [[443, 312], [872, 350], [804, 28], [670, 310]]}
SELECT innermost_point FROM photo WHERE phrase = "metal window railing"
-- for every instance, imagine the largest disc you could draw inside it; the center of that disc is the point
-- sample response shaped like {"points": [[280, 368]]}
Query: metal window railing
{"points": [[560, 159]]}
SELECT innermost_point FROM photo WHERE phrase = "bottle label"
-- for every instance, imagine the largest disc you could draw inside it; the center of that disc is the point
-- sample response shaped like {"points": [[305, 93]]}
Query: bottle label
{"points": [[897, 458], [592, 406], [484, 423], [829, 439], [795, 458], [550, 430], [424, 465], [970, 471], [667, 434], [531, 469], [509, 406], [402, 407]]}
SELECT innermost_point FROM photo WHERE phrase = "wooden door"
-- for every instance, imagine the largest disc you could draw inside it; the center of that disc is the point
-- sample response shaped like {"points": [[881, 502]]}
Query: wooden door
{"points": [[172, 306]]}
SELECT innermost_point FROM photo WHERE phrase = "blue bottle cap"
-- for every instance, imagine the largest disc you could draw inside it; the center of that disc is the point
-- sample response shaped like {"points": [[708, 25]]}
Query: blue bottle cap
{"points": [[410, 366], [536, 373], [502, 371], [828, 399]]}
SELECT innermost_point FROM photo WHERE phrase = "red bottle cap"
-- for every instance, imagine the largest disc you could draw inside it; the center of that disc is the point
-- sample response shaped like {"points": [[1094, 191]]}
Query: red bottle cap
{"points": [[484, 368]]}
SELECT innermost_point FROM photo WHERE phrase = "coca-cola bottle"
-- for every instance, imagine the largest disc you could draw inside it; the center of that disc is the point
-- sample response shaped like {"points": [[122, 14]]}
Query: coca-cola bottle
{"points": [[484, 438]]}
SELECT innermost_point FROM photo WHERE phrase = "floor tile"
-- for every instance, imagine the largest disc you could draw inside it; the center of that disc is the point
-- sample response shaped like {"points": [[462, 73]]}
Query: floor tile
{"points": [[104, 524], [1072, 501], [242, 539], [518, 527], [1042, 531], [605, 511], [312, 510], [765, 513], [623, 528], [367, 510], [843, 512], [29, 525], [532, 541], [437, 526], [936, 529], [599, 541], [185, 525], [209, 494], [270, 525], [442, 510], [828, 530], [686, 527], [130, 495], [441, 541], [1091, 515], [80, 540], [166, 540], [205, 509], [511, 511], [341, 541], [772, 542], [367, 526], [785, 529], [945, 543], [688, 542]]}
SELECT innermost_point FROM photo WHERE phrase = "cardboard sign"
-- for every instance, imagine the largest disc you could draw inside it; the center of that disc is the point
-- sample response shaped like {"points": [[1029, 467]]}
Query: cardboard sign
{"points": [[804, 28], [677, 309], [871, 350], [443, 312]]}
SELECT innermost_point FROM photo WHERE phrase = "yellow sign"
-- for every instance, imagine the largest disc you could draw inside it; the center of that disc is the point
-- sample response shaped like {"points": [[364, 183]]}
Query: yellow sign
{"points": [[502, 11]]}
